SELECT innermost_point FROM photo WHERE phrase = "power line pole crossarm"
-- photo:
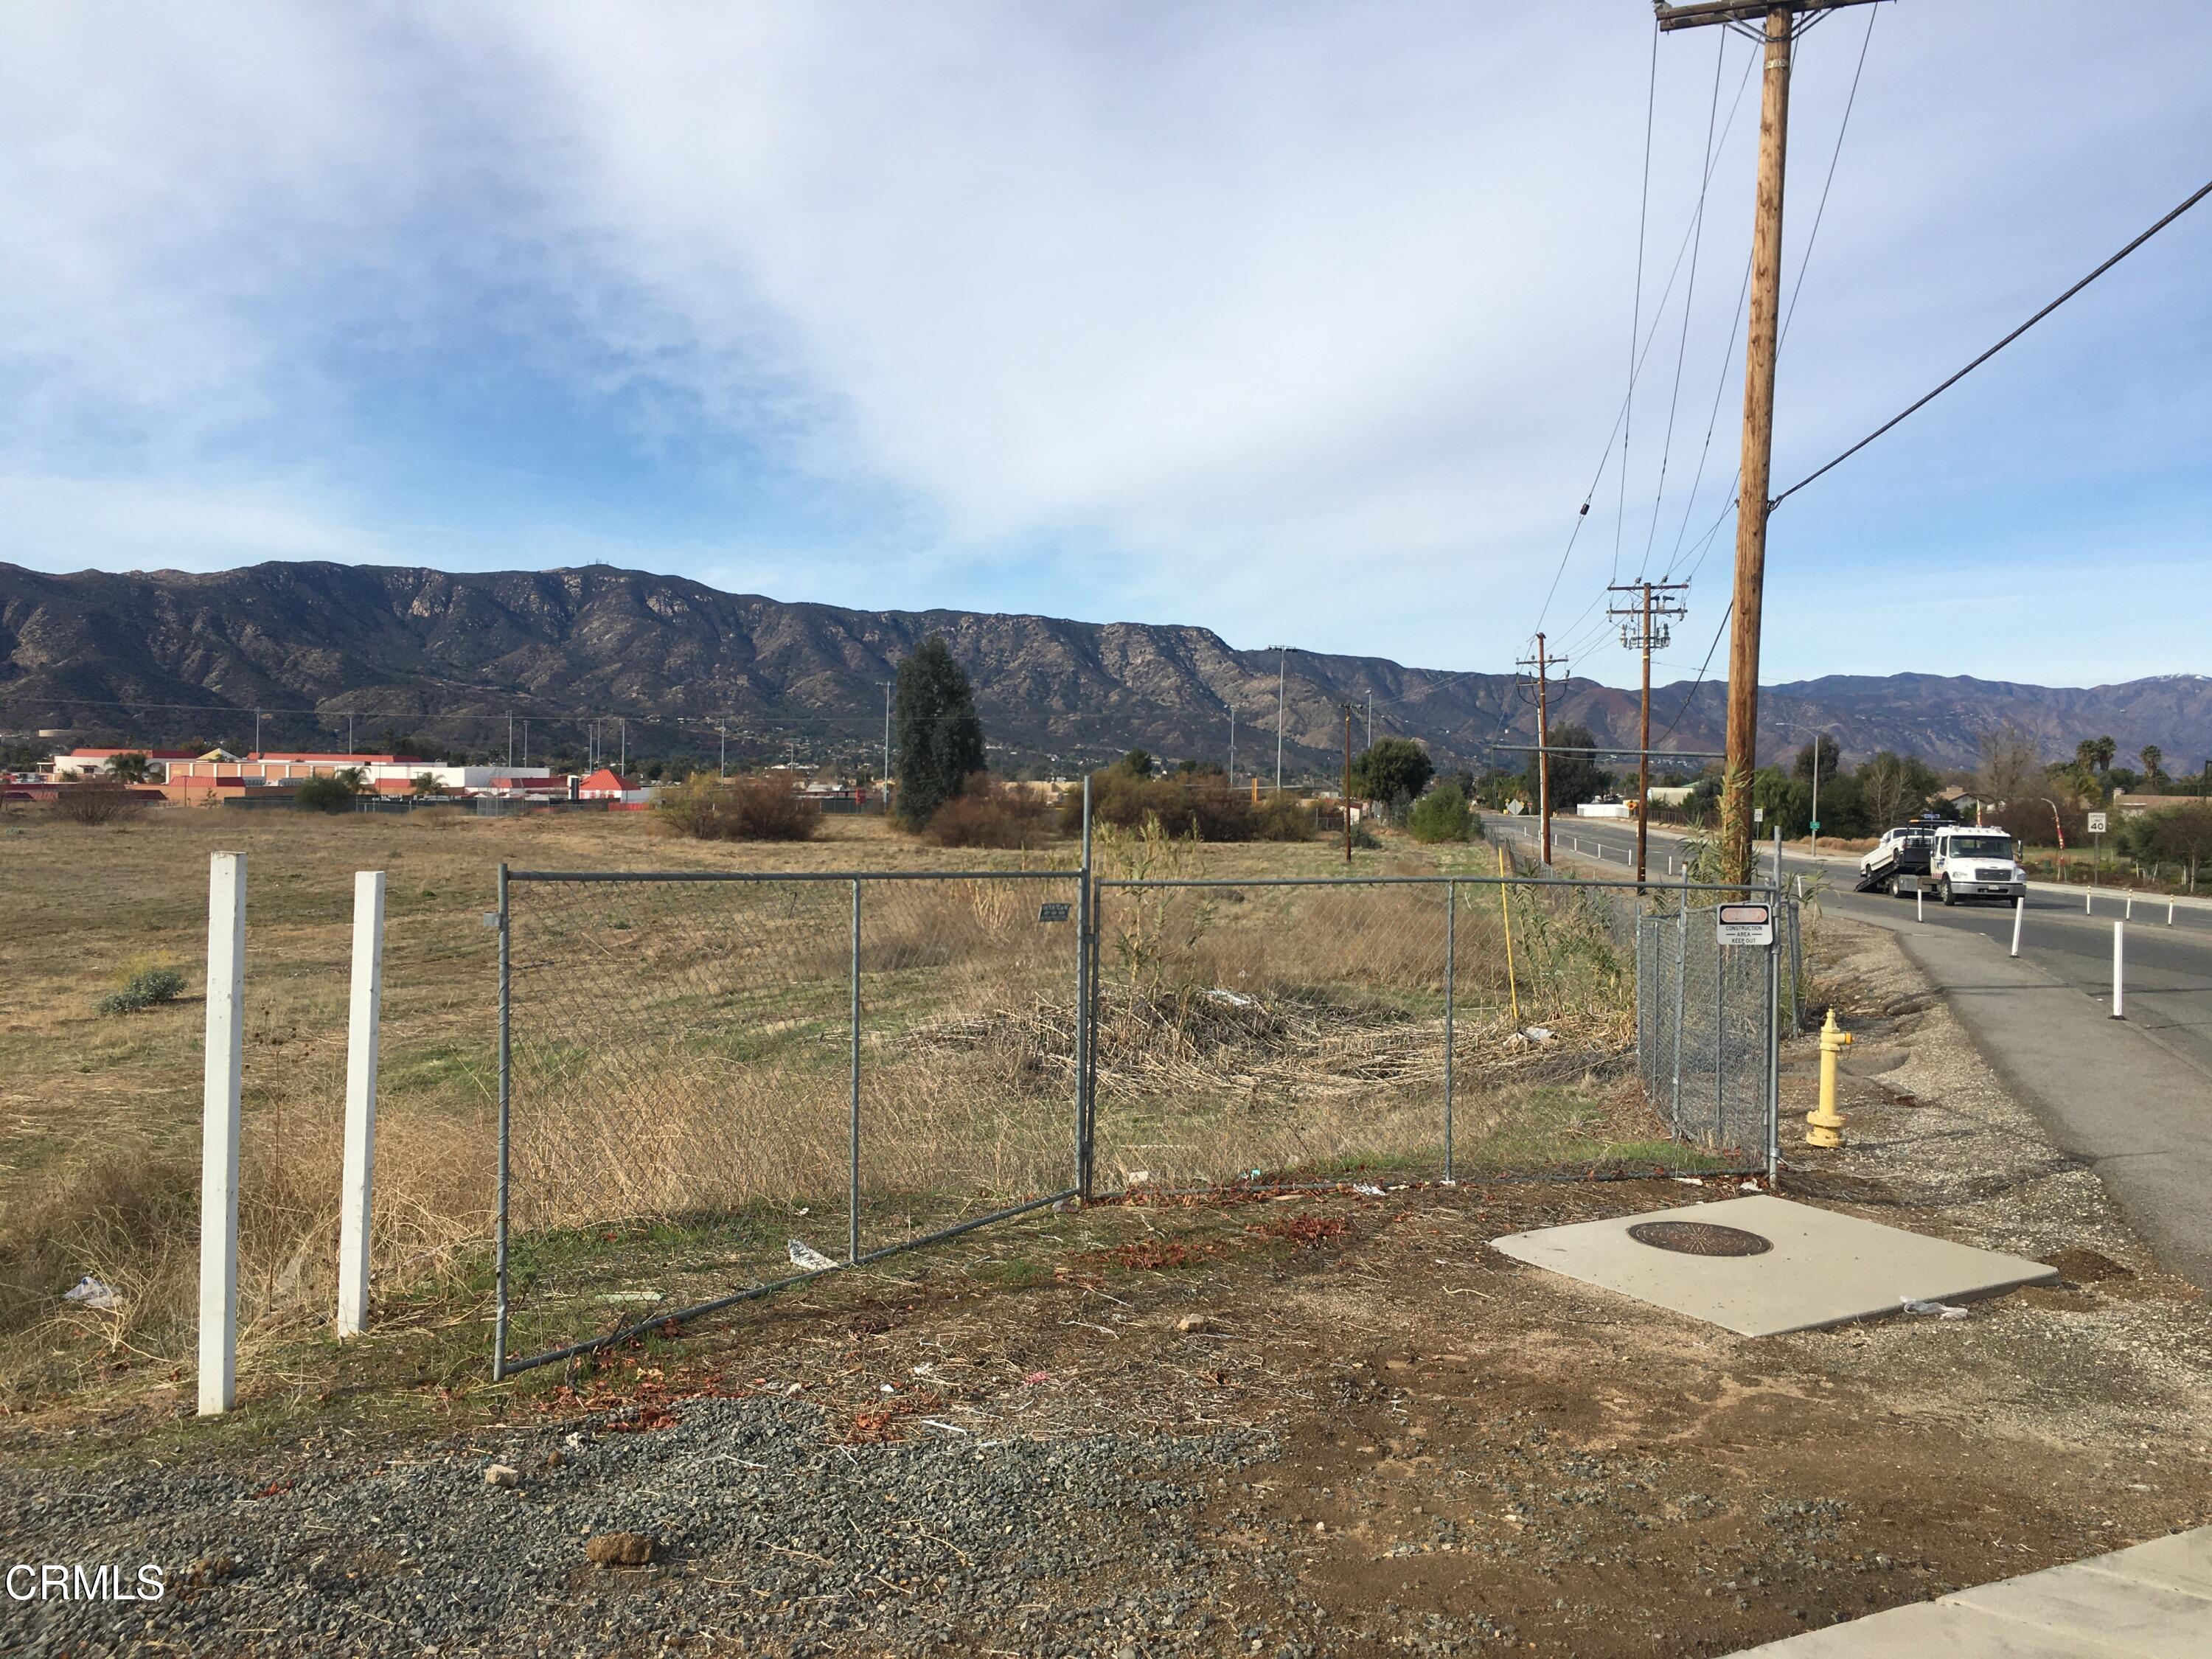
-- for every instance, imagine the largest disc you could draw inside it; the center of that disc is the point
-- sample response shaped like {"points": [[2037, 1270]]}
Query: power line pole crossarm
{"points": [[1645, 628], [1779, 21]]}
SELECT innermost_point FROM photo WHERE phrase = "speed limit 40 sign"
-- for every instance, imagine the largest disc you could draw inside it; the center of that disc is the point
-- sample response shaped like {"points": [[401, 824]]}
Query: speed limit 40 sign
{"points": [[2096, 824]]}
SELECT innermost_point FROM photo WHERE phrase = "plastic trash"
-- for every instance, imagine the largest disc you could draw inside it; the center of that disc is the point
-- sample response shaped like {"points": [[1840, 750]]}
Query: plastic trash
{"points": [[90, 1293], [1215, 994], [1367, 1191], [1537, 1033], [804, 1255], [1940, 1309]]}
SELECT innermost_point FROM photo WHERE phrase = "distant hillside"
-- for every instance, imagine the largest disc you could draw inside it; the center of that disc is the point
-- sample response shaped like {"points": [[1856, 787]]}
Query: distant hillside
{"points": [[449, 656]]}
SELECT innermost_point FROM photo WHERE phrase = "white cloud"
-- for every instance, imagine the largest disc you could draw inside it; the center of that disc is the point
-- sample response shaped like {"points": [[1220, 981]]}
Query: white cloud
{"points": [[1300, 321]]}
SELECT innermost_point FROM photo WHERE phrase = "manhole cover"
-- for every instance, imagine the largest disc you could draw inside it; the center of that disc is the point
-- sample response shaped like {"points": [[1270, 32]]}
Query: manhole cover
{"points": [[1699, 1238]]}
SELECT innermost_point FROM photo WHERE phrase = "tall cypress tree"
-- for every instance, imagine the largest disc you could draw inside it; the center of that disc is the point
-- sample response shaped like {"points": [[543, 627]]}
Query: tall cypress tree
{"points": [[940, 740]]}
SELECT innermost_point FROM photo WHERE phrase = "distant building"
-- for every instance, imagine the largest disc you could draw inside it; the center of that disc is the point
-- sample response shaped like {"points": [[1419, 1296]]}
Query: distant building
{"points": [[92, 763]]}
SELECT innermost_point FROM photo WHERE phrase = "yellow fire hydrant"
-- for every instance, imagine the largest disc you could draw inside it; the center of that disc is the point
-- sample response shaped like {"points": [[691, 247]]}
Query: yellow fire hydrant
{"points": [[1824, 1125]]}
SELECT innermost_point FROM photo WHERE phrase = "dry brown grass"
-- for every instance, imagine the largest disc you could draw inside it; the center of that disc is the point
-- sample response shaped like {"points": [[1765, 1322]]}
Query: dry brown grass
{"points": [[681, 1049]]}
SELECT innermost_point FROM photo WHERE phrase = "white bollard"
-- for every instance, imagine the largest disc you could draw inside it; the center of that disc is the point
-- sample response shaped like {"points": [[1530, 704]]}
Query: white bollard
{"points": [[2131, 911], [225, 1055], [2087, 894], [2169, 913], [359, 1181], [2019, 909], [1919, 902], [2118, 951]]}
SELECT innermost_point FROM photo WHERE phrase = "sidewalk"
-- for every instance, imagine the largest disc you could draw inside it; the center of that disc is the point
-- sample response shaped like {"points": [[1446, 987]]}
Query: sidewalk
{"points": [[2148, 1603]]}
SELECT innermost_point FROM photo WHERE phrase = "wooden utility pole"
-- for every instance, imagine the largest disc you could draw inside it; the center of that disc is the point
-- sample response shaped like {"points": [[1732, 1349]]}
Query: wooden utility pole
{"points": [[1779, 26], [1543, 664], [1347, 783], [1644, 629]]}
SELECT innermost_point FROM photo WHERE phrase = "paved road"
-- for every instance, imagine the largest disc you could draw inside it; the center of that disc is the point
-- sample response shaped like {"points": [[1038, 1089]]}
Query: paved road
{"points": [[2132, 1097]]}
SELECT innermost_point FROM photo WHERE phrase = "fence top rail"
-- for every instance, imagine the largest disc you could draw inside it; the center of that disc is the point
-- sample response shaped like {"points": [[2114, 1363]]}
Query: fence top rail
{"points": [[1651, 884], [1070, 874]]}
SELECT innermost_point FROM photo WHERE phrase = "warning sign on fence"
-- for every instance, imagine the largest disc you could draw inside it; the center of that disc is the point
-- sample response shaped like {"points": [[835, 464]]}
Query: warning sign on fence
{"points": [[1750, 923]]}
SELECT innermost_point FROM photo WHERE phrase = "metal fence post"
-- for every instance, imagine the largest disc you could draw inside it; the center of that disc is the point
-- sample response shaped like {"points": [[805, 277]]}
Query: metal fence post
{"points": [[1086, 1007], [1452, 989], [1681, 972], [1774, 1053], [506, 1097], [853, 1194]]}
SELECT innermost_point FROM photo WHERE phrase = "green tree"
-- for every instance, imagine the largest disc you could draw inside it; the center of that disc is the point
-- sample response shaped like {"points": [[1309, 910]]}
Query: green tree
{"points": [[1831, 759], [939, 739], [131, 766], [332, 794], [1575, 778], [1393, 769], [1441, 815], [1138, 762], [2153, 760], [1893, 787]]}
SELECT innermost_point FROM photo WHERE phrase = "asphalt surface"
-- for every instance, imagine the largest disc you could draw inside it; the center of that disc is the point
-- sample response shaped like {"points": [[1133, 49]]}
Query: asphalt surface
{"points": [[2131, 1097]]}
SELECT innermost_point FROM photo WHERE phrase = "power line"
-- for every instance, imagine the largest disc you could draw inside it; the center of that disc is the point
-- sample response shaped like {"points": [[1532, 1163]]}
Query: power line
{"points": [[1635, 309], [1918, 403], [1690, 695], [1844, 126], [1689, 304], [1582, 514]]}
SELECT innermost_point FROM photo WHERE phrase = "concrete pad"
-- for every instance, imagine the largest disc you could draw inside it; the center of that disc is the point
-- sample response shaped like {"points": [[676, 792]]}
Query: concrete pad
{"points": [[2147, 1602], [2182, 1561], [1935, 1629], [1823, 1268], [2123, 1613]]}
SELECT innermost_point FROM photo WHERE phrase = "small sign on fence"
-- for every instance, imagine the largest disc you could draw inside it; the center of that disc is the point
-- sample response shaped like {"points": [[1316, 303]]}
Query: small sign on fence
{"points": [[1744, 924], [1056, 911]]}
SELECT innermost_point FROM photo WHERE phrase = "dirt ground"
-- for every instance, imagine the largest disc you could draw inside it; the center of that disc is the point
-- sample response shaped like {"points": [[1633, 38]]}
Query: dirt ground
{"points": [[1439, 1450]]}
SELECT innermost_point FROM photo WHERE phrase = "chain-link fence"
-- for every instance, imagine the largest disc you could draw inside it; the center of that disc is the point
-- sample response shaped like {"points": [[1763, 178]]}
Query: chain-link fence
{"points": [[713, 1084], [716, 1084], [1707, 1021]]}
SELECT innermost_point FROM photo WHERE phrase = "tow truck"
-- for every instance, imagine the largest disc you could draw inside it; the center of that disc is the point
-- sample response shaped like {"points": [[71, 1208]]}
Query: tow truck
{"points": [[1959, 861]]}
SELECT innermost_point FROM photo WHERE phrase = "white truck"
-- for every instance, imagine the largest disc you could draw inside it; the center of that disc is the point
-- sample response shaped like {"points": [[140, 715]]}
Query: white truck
{"points": [[1958, 860]]}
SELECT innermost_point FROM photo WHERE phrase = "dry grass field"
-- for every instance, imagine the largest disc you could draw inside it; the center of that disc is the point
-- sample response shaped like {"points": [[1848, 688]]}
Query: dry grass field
{"points": [[682, 1064]]}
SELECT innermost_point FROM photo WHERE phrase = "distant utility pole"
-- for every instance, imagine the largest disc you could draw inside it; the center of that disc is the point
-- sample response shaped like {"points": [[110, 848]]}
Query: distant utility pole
{"points": [[348, 736], [510, 741], [621, 765], [1543, 664], [1643, 628], [257, 731], [1232, 746], [1282, 652], [1779, 28], [887, 685], [1370, 720], [1347, 783]]}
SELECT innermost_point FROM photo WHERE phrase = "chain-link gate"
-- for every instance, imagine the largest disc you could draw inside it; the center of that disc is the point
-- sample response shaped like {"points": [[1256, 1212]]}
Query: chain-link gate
{"points": [[1709, 1019], [716, 1084]]}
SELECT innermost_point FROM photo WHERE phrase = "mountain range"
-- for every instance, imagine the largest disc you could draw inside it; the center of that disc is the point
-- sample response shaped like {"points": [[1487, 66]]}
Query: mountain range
{"points": [[446, 657]]}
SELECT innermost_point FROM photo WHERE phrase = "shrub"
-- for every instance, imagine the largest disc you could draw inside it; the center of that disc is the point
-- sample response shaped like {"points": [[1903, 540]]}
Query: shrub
{"points": [[94, 801], [323, 795], [1442, 815], [144, 981], [990, 812], [1199, 804], [708, 808], [1281, 819]]}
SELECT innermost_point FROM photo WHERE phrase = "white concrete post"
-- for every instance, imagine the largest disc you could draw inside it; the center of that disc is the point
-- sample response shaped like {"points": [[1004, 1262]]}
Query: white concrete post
{"points": [[2019, 909], [354, 1194], [219, 1133], [2118, 951], [2130, 913], [2088, 895], [1919, 902], [2169, 913]]}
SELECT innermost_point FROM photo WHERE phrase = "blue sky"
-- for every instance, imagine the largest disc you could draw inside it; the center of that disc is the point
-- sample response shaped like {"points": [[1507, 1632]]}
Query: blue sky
{"points": [[1306, 323]]}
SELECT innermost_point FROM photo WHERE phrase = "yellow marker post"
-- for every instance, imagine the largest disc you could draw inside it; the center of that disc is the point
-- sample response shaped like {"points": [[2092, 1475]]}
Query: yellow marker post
{"points": [[1505, 908], [1824, 1125]]}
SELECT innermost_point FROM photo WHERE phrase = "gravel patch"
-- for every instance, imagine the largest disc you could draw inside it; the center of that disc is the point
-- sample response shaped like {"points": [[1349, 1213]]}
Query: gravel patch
{"points": [[767, 1536]]}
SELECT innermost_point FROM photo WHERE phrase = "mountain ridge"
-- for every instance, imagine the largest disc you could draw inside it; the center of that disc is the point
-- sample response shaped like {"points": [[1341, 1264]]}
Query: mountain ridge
{"points": [[449, 655]]}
